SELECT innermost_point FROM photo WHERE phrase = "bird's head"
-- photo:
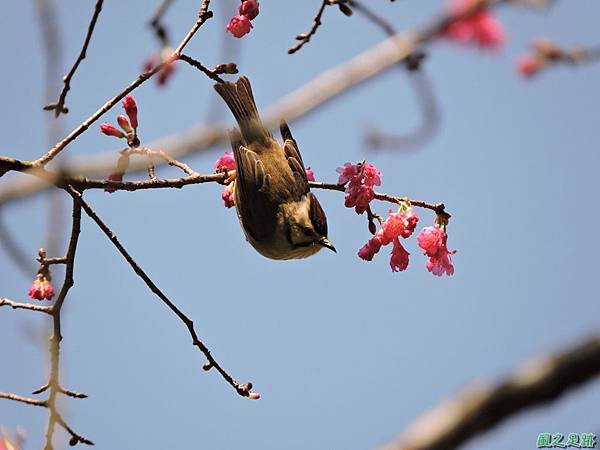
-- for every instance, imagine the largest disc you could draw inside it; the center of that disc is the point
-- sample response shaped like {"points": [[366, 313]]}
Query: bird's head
{"points": [[307, 227]]}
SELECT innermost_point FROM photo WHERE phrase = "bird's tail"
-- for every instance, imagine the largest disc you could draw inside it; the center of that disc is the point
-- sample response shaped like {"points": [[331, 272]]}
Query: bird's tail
{"points": [[240, 101]]}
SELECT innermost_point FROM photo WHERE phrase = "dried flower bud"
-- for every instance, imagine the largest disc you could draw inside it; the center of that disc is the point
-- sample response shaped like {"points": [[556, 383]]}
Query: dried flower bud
{"points": [[131, 110], [345, 9], [230, 68], [110, 130]]}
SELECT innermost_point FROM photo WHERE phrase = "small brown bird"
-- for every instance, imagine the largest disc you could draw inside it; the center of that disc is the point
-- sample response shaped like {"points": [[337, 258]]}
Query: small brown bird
{"points": [[281, 218]]}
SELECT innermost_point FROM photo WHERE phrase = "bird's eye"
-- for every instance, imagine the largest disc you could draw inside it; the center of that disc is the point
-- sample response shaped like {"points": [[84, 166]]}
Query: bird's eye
{"points": [[307, 232]]}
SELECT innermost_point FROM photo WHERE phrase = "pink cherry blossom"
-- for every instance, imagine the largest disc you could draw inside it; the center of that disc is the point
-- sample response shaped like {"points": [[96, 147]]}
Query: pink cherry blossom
{"points": [[399, 258], [239, 26], [110, 130], [399, 224], [249, 8], [371, 248], [358, 197], [347, 172], [480, 27], [359, 180], [310, 175], [225, 162], [441, 264], [228, 197], [42, 287], [433, 242], [395, 226], [131, 110]]}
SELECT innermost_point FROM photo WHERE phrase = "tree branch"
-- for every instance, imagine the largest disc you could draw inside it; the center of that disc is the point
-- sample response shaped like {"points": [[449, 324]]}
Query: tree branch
{"points": [[28, 306], [298, 103], [482, 407], [59, 105], [203, 16], [242, 389]]}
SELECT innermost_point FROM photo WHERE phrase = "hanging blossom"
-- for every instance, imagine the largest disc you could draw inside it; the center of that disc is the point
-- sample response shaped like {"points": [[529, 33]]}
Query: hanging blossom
{"points": [[241, 24], [42, 285], [398, 224], [432, 241], [226, 163], [359, 180], [481, 27]]}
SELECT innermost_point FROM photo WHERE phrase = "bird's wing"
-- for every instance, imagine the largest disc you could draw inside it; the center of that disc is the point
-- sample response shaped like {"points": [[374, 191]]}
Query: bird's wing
{"points": [[254, 198], [299, 186]]}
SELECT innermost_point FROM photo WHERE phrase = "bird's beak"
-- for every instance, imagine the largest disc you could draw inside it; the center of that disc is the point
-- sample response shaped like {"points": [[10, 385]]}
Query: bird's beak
{"points": [[325, 243]]}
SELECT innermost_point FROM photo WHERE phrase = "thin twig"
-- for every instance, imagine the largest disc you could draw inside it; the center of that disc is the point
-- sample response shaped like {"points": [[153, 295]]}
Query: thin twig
{"points": [[241, 389], [54, 379], [29, 306], [59, 106], [198, 65], [482, 407], [203, 16], [308, 98], [304, 38], [26, 400]]}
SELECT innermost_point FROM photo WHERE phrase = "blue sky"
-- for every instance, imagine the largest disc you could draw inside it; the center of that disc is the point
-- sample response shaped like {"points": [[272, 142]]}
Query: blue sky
{"points": [[345, 353]]}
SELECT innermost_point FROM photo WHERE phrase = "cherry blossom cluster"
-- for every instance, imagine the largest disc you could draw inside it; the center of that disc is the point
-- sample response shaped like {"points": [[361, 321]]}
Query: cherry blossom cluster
{"points": [[480, 27], [241, 24], [226, 163], [359, 180], [128, 124], [42, 289], [398, 224]]}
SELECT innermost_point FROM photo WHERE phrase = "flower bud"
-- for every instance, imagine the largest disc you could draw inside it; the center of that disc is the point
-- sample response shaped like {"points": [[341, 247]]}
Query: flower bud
{"points": [[239, 26], [124, 124], [249, 8], [131, 110], [310, 175], [110, 130]]}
